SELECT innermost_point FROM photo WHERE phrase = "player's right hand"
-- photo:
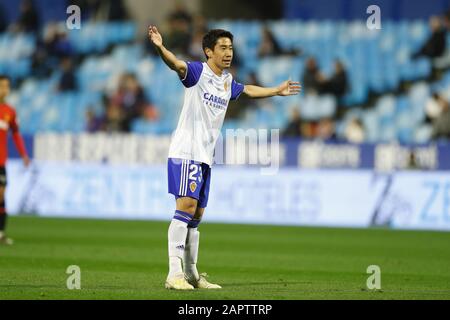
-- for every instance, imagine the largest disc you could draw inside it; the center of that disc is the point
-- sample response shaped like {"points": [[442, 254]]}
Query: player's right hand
{"points": [[154, 36]]}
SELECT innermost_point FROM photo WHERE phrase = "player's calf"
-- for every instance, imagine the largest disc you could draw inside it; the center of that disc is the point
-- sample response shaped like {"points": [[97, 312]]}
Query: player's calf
{"points": [[3, 217]]}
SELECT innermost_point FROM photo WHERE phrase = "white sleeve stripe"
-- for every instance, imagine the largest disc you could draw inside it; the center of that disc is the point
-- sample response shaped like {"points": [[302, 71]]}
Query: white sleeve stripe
{"points": [[237, 97], [187, 69]]}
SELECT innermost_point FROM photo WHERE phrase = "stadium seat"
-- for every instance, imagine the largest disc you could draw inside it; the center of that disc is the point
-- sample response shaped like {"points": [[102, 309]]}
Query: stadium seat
{"points": [[375, 61], [423, 134]]}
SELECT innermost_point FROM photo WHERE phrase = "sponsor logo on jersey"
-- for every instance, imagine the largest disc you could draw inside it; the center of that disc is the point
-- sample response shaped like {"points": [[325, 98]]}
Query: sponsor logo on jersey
{"points": [[215, 101]]}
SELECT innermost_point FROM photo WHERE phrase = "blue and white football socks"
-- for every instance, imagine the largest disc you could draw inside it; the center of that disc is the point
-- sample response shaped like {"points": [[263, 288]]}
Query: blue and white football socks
{"points": [[177, 242], [191, 252]]}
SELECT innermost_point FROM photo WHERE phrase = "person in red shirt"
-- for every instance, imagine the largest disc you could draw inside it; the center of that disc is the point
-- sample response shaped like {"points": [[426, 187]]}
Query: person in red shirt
{"points": [[8, 121]]}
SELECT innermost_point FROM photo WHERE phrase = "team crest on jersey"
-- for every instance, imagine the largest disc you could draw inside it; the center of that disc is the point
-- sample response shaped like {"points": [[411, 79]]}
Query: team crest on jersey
{"points": [[193, 186], [225, 86]]}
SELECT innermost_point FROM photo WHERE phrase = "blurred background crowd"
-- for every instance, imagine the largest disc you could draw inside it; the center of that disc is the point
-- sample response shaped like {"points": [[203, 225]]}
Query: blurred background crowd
{"points": [[359, 85]]}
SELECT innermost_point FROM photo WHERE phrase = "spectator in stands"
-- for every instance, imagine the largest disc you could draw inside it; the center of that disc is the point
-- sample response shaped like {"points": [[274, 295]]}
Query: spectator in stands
{"points": [[441, 124], [435, 46], [180, 30], [310, 130], [28, 20], [295, 126], [180, 13], [93, 123], [434, 107], [150, 113], [42, 63], [131, 99], [337, 84], [195, 48], [269, 45], [354, 132], [54, 46], [200, 28], [117, 11], [56, 42], [114, 118], [312, 78], [39, 66], [111, 121], [68, 80], [61, 46], [447, 20], [199, 23], [326, 129]]}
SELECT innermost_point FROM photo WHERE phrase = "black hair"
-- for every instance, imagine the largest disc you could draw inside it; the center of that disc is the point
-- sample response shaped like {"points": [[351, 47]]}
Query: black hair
{"points": [[210, 39], [4, 77]]}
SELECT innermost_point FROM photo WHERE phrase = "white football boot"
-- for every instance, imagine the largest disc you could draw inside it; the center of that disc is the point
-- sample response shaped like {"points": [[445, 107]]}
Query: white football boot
{"points": [[178, 282], [6, 241], [202, 283]]}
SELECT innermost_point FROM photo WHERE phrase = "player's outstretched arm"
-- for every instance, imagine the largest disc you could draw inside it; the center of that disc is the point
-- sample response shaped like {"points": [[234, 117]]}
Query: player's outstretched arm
{"points": [[18, 139], [287, 88], [20, 145], [168, 57]]}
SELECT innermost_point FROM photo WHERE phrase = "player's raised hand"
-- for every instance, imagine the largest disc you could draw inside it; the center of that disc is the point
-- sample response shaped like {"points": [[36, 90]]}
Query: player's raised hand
{"points": [[154, 36], [289, 88]]}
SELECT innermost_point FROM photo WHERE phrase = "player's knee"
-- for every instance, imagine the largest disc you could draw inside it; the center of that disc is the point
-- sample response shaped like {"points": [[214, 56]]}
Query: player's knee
{"points": [[2, 194], [199, 213], [188, 208]]}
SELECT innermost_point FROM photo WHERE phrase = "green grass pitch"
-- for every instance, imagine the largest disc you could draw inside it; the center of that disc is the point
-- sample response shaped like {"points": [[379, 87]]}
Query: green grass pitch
{"points": [[128, 260]]}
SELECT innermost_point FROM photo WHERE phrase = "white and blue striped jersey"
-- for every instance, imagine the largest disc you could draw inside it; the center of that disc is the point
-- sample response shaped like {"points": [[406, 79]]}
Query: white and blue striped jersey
{"points": [[206, 100]]}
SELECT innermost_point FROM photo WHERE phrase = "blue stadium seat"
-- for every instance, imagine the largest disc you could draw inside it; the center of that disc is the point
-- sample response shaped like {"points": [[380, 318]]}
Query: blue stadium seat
{"points": [[423, 134], [370, 122], [402, 105], [385, 109], [141, 126], [418, 96], [375, 61], [327, 106]]}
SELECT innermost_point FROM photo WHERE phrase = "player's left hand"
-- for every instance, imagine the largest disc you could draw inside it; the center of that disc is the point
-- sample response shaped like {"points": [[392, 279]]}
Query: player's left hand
{"points": [[289, 88], [26, 162]]}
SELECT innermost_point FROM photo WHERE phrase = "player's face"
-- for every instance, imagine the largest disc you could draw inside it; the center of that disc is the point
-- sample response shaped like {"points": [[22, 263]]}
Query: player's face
{"points": [[223, 53], [4, 88]]}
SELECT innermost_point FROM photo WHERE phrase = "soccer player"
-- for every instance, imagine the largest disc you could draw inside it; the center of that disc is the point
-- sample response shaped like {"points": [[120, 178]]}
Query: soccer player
{"points": [[208, 90], [8, 120]]}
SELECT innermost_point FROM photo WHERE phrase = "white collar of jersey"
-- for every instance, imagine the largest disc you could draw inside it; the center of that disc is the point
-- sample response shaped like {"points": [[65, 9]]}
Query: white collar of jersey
{"points": [[224, 72]]}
